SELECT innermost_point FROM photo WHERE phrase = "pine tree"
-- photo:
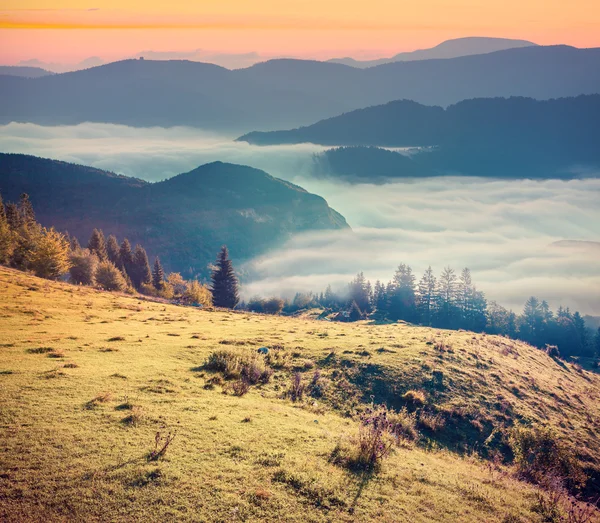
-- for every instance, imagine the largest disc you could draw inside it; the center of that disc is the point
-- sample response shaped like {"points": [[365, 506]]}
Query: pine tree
{"points": [[158, 275], [13, 216], [74, 242], [447, 298], [126, 258], [465, 298], [224, 282], [7, 239], [531, 321], [141, 272], [402, 302], [426, 300], [112, 250], [2, 210], [97, 245], [355, 313], [380, 298], [359, 291], [597, 343], [26, 210]]}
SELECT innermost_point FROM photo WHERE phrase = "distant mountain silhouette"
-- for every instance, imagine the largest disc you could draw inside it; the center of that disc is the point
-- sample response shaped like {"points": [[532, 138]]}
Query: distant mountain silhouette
{"points": [[508, 137], [184, 220], [449, 49], [287, 93], [25, 72]]}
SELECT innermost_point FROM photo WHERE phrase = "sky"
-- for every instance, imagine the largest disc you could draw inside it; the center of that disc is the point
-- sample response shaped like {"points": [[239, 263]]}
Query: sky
{"points": [[72, 30]]}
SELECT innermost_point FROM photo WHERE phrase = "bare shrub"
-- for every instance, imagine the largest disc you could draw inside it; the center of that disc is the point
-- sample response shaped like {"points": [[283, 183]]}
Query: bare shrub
{"points": [[433, 422], [539, 454], [297, 388], [240, 387]]}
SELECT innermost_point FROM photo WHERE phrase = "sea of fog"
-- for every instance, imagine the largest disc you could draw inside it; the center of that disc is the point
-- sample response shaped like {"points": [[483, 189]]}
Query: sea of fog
{"points": [[503, 230]]}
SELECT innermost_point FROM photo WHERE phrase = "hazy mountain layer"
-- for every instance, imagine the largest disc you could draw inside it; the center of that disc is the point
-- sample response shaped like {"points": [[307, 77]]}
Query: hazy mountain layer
{"points": [[448, 49], [184, 220], [286, 93]]}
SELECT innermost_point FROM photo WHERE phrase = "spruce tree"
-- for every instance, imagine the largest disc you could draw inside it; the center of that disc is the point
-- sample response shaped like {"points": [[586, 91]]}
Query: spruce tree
{"points": [[426, 298], [126, 258], [360, 292], [7, 239], [97, 245], [26, 210], [141, 268], [224, 282], [158, 275], [112, 250], [597, 343], [402, 303], [13, 216], [74, 242], [2, 210], [447, 298]]}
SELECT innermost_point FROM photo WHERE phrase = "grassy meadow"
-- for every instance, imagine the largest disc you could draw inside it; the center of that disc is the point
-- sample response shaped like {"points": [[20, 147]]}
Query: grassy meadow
{"points": [[88, 379]]}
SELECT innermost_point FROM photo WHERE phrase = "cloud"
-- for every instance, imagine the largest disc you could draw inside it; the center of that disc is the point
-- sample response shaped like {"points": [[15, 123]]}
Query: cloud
{"points": [[502, 230]]}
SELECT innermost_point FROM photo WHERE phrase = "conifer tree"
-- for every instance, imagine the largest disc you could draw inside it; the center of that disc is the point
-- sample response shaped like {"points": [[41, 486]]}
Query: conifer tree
{"points": [[427, 301], [13, 216], [597, 343], [158, 274], [402, 303], [380, 298], [7, 239], [224, 282], [26, 210], [141, 272], [126, 258], [359, 291], [97, 245], [2, 210], [446, 295], [74, 242], [112, 250], [355, 313]]}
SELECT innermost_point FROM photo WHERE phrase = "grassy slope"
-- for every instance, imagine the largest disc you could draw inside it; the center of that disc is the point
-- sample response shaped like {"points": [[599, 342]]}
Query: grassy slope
{"points": [[60, 460]]}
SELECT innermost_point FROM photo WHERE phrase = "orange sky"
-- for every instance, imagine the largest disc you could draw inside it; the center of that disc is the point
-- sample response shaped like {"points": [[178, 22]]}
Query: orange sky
{"points": [[70, 30]]}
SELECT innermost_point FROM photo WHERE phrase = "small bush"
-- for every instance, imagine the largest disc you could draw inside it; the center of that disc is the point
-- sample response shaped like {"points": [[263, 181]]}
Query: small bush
{"points": [[375, 439], [109, 278], [404, 425], [296, 390], [83, 267], [539, 454], [135, 417], [240, 387], [414, 398], [552, 351], [433, 422]]}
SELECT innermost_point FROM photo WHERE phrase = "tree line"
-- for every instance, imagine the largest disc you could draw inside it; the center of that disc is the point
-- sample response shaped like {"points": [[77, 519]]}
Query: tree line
{"points": [[448, 301], [104, 263]]}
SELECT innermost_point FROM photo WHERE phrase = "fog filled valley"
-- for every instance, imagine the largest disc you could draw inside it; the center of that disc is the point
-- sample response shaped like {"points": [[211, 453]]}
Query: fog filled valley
{"points": [[505, 231]]}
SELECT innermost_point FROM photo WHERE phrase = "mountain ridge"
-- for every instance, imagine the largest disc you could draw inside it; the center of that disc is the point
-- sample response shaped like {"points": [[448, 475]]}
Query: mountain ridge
{"points": [[286, 93]]}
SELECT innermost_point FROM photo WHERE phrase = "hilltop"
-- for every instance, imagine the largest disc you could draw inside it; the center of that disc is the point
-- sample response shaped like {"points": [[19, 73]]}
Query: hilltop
{"points": [[184, 219], [88, 378]]}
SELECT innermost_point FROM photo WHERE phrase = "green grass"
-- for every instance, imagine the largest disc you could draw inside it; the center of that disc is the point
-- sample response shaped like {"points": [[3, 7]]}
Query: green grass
{"points": [[76, 430]]}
